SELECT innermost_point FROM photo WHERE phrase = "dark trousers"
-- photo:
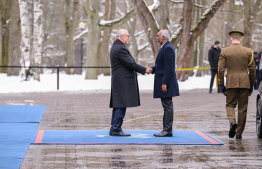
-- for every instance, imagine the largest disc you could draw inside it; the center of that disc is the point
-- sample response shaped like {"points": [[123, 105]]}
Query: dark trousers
{"points": [[118, 115], [213, 75], [167, 104], [258, 79]]}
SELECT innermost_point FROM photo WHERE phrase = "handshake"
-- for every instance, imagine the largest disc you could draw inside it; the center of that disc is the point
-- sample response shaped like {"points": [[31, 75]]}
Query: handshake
{"points": [[149, 70]]}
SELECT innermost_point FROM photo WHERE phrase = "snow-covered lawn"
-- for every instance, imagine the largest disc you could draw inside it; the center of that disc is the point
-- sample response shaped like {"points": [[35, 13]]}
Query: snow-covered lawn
{"points": [[77, 83]]}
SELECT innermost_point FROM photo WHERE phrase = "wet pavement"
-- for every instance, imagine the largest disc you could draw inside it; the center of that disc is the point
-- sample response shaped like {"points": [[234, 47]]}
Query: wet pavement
{"points": [[194, 110]]}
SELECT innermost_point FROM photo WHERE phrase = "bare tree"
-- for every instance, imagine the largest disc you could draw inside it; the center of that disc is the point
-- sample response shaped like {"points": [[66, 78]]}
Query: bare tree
{"points": [[1, 29], [163, 14], [103, 56], [38, 38], [93, 37], [26, 34], [195, 32], [14, 52], [189, 34], [95, 25], [249, 18], [229, 21], [185, 54], [5, 6], [247, 23], [70, 25], [149, 23]]}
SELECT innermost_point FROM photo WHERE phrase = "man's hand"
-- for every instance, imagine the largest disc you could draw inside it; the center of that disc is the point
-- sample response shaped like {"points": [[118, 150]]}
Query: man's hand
{"points": [[224, 90], [164, 88], [148, 70], [250, 91]]}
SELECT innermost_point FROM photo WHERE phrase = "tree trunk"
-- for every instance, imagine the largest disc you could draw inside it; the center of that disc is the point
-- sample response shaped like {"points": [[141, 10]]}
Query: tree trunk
{"points": [[189, 37], [38, 39], [1, 29], [14, 39], [185, 53], [229, 23], [201, 52], [103, 56], [201, 45], [132, 31], [93, 39], [247, 24], [26, 34], [149, 24], [70, 27], [195, 48], [163, 14], [5, 6]]}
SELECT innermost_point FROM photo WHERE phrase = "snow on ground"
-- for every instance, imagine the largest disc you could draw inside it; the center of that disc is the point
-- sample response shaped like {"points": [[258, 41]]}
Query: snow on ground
{"points": [[9, 84]]}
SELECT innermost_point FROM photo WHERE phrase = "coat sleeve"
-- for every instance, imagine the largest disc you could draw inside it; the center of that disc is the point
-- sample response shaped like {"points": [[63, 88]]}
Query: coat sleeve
{"points": [[127, 60], [210, 59], [153, 69], [168, 65], [221, 68], [251, 68]]}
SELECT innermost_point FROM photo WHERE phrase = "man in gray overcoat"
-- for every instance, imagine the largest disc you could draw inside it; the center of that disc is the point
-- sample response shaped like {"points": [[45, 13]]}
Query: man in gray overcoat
{"points": [[124, 86]]}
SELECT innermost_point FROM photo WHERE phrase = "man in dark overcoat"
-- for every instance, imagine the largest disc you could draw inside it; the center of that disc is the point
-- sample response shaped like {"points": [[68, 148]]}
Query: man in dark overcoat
{"points": [[213, 58], [124, 86], [165, 84]]}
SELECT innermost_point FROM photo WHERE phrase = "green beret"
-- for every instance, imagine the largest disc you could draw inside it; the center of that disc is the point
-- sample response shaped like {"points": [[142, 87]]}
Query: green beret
{"points": [[236, 33]]}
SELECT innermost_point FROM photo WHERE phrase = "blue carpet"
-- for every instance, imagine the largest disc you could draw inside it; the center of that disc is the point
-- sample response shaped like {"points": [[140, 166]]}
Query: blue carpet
{"points": [[10, 163], [21, 114], [97, 137], [17, 128], [15, 139]]}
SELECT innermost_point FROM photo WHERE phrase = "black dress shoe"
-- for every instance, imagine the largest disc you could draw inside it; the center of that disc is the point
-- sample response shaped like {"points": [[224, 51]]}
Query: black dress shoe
{"points": [[232, 131], [121, 133], [238, 137], [164, 134]]}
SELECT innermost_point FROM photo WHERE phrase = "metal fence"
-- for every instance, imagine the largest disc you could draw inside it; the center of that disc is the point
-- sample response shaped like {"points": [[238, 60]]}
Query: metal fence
{"points": [[58, 69]]}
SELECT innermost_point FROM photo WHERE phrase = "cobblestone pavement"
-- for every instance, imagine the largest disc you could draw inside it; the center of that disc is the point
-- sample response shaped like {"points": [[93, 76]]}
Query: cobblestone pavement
{"points": [[194, 110]]}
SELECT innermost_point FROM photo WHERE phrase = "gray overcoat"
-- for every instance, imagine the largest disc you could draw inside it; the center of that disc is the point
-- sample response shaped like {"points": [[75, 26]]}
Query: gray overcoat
{"points": [[124, 86]]}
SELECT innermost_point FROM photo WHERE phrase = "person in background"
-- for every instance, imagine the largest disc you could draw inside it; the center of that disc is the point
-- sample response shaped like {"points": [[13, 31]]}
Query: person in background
{"points": [[258, 77], [260, 54], [213, 58]]}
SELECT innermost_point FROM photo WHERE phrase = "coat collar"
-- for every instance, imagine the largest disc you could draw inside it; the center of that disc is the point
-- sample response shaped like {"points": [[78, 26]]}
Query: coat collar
{"points": [[161, 49], [117, 41], [236, 44]]}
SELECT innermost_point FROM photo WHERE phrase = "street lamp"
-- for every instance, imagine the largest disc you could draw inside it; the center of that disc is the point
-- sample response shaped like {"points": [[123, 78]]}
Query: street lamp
{"points": [[82, 26]]}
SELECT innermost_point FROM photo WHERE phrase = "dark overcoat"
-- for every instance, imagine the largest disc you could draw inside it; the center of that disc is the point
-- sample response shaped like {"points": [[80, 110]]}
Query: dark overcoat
{"points": [[213, 57], [165, 72], [124, 86]]}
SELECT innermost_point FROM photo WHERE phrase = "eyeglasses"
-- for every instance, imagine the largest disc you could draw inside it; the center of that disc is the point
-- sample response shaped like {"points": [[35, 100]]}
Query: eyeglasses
{"points": [[127, 35]]}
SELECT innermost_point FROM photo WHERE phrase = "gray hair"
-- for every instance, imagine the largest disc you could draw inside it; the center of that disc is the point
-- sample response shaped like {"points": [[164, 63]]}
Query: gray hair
{"points": [[166, 34], [120, 32]]}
